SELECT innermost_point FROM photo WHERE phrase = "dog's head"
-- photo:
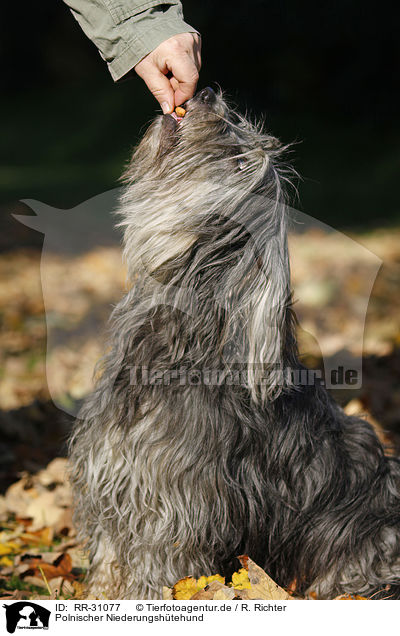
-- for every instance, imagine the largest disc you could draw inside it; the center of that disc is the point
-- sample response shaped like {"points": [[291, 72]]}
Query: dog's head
{"points": [[211, 166], [204, 202], [211, 142]]}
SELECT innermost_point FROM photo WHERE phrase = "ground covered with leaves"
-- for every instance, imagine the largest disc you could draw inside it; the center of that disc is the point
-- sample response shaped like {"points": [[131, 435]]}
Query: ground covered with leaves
{"points": [[52, 333]]}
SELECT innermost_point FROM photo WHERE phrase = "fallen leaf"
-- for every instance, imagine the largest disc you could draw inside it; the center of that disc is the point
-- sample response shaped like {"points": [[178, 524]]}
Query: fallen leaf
{"points": [[167, 593], [240, 580], [6, 562], [184, 589], [214, 591], [62, 566], [262, 586], [44, 510], [9, 547], [38, 537], [350, 597]]}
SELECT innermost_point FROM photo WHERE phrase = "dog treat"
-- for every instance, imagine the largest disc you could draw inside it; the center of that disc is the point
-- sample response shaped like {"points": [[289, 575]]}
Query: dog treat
{"points": [[181, 112]]}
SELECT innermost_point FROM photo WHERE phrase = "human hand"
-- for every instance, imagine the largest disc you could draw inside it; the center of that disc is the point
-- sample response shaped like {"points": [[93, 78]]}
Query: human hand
{"points": [[171, 71]]}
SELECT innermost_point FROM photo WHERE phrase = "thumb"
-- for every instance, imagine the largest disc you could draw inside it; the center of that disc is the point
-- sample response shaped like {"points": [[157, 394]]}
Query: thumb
{"points": [[159, 85]]}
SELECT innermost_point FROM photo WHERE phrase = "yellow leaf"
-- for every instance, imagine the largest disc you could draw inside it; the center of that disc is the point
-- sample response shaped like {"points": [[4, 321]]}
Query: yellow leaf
{"points": [[8, 547], [185, 588], [201, 582], [206, 580], [240, 580], [350, 597], [6, 562], [215, 577], [40, 537]]}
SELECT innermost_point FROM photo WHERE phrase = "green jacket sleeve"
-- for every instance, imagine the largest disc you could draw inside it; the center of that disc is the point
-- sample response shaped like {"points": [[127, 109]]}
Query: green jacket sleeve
{"points": [[124, 31]]}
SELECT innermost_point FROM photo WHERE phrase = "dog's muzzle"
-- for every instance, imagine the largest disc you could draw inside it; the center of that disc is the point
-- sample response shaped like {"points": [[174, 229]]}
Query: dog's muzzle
{"points": [[205, 96]]}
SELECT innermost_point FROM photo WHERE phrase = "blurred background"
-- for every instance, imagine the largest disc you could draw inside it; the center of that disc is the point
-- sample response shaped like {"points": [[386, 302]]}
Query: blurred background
{"points": [[322, 75]]}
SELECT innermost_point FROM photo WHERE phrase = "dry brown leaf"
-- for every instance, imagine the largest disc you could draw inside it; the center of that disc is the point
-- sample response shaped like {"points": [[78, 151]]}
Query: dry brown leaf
{"points": [[56, 584], [19, 495], [16, 595], [37, 581], [23, 521], [61, 567], [67, 588], [167, 593], [215, 591], [262, 586], [55, 472], [38, 537], [43, 510], [78, 556], [79, 589], [64, 523]]}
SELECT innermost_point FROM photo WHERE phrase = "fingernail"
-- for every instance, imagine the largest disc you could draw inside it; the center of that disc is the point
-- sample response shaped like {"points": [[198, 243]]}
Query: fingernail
{"points": [[166, 108]]}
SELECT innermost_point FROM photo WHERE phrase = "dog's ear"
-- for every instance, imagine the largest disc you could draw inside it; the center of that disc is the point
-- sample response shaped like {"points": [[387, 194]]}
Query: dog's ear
{"points": [[257, 297], [269, 318]]}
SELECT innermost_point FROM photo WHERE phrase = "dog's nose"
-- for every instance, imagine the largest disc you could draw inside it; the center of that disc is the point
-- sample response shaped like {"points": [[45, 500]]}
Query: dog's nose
{"points": [[207, 95]]}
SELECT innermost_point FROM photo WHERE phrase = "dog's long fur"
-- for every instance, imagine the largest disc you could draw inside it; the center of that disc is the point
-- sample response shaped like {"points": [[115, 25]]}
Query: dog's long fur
{"points": [[174, 476]]}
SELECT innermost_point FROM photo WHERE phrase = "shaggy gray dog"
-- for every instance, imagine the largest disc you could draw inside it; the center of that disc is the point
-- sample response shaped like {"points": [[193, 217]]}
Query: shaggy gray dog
{"points": [[197, 445]]}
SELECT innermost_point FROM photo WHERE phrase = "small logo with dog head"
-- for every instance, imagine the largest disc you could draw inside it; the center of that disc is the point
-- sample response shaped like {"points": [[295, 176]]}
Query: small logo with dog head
{"points": [[26, 615]]}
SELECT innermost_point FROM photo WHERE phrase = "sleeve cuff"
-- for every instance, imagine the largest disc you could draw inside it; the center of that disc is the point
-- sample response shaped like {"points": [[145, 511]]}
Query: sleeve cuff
{"points": [[141, 45]]}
